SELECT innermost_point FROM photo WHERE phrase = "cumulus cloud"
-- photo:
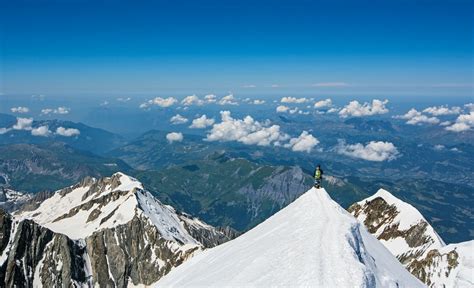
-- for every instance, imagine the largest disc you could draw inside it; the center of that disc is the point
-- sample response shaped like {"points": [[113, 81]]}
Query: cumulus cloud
{"points": [[323, 103], [415, 117], [286, 109], [247, 131], [304, 143], [330, 84], [373, 151], [332, 110], [67, 132], [469, 106], [192, 100], [356, 109], [464, 122], [228, 100], [202, 122], [210, 98], [282, 109], [293, 100], [59, 110], [158, 101], [20, 109], [174, 137], [178, 119], [258, 102], [23, 123], [443, 110], [41, 131]]}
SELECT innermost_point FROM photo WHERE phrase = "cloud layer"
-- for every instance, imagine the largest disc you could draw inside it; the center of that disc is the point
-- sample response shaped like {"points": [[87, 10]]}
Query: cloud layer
{"points": [[178, 119]]}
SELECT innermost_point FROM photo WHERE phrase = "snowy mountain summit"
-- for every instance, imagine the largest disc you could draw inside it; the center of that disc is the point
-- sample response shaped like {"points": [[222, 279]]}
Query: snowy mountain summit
{"points": [[313, 242], [107, 232], [407, 234]]}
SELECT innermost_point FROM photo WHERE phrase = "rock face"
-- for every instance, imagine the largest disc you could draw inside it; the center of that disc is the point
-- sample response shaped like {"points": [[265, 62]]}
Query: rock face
{"points": [[108, 232], [11, 200], [407, 234]]}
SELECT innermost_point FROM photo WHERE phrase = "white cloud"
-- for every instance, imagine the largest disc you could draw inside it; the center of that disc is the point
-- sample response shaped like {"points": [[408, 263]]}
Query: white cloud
{"points": [[247, 131], [202, 122], [464, 122], [123, 99], [332, 110], [469, 106], [415, 117], [258, 102], [293, 100], [439, 147], [282, 109], [323, 103], [59, 110], [249, 86], [445, 123], [178, 119], [174, 137], [67, 132], [443, 110], [228, 100], [330, 84], [192, 100], [210, 98], [304, 143], [23, 123], [20, 109], [373, 151], [356, 109], [41, 131], [105, 103], [158, 101], [4, 130]]}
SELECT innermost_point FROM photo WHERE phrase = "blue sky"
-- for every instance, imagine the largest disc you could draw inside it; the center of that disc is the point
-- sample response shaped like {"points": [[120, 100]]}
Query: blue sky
{"points": [[74, 46]]}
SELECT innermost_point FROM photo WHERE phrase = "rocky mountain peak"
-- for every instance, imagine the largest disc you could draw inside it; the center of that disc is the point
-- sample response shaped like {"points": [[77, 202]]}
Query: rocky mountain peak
{"points": [[404, 231]]}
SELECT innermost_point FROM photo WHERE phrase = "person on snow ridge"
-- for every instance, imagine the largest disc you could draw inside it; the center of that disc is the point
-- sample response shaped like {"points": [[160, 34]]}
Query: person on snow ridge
{"points": [[318, 177]]}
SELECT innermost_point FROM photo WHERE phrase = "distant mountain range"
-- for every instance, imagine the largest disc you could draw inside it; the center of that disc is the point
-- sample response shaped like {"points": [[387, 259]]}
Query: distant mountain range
{"points": [[90, 139], [50, 166]]}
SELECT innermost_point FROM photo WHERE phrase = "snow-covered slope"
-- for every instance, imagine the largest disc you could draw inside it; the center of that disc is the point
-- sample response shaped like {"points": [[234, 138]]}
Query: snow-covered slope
{"points": [[312, 242], [125, 235], [11, 200], [407, 234]]}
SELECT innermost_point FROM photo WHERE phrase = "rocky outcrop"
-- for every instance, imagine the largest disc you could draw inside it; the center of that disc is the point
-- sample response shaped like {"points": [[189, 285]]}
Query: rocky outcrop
{"points": [[407, 234], [34, 255]]}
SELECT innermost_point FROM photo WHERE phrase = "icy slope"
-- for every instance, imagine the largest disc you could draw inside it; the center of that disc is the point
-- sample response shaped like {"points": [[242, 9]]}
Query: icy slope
{"points": [[407, 234], [312, 242]]}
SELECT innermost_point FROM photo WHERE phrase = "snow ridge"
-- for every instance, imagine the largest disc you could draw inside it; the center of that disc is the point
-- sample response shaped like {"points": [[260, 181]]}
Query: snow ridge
{"points": [[312, 242]]}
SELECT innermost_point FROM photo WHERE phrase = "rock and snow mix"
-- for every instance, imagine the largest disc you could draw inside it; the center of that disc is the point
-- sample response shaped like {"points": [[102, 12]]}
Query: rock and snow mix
{"points": [[118, 233], [407, 235], [312, 242]]}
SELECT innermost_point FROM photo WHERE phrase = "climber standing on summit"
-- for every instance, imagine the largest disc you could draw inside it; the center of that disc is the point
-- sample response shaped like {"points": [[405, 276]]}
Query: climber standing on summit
{"points": [[318, 177]]}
